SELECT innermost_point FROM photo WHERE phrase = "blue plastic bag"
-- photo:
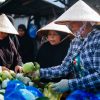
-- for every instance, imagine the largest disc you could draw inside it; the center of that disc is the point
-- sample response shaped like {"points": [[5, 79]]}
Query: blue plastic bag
{"points": [[81, 95], [16, 90], [32, 30]]}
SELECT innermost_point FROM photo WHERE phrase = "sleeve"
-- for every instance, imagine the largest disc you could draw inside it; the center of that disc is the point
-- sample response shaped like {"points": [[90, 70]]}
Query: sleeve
{"points": [[92, 81], [60, 70], [17, 57]]}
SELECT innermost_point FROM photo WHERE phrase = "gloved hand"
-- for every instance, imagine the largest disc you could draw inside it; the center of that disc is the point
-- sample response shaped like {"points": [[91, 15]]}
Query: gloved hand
{"points": [[61, 86]]}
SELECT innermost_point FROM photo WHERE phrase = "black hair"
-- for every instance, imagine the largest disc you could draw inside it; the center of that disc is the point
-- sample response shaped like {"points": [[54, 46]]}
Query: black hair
{"points": [[23, 27], [62, 34]]}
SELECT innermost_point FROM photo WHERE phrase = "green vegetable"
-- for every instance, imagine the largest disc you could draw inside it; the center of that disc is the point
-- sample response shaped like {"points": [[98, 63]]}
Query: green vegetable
{"points": [[48, 92], [2, 91], [28, 67], [20, 76], [0, 79], [37, 66], [13, 74], [26, 80], [31, 83], [37, 76], [4, 83], [6, 74]]}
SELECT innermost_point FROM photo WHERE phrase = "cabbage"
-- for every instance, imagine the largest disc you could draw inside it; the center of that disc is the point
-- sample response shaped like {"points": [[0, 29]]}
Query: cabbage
{"points": [[4, 83], [28, 67], [5, 75]]}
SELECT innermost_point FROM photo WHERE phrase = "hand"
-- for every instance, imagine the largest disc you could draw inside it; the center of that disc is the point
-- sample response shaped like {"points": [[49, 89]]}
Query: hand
{"points": [[61, 86], [18, 69]]}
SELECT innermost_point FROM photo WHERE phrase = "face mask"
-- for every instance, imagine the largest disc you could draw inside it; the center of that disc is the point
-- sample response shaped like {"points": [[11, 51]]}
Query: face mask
{"points": [[82, 29]]}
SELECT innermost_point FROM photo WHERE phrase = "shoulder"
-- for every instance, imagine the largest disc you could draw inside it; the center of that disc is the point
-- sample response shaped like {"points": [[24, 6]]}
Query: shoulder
{"points": [[75, 40], [95, 38], [45, 44], [96, 35], [11, 41], [12, 44]]}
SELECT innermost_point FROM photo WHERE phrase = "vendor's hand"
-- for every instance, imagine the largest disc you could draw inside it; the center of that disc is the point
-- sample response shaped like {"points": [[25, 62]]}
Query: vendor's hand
{"points": [[18, 69], [61, 86]]}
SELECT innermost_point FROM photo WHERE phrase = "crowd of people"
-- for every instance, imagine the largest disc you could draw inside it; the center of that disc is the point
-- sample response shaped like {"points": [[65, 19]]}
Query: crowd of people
{"points": [[72, 48]]}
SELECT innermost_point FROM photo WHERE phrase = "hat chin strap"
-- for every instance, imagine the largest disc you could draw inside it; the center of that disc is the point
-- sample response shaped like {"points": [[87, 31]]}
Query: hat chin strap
{"points": [[81, 29], [92, 23], [64, 38]]}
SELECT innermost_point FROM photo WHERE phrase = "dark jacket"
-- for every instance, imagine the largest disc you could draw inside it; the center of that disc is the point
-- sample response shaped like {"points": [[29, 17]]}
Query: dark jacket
{"points": [[50, 55], [9, 56], [26, 48]]}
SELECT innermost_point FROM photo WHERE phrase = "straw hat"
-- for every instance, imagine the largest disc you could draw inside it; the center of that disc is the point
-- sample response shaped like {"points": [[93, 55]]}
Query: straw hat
{"points": [[80, 11], [6, 26], [54, 27]]}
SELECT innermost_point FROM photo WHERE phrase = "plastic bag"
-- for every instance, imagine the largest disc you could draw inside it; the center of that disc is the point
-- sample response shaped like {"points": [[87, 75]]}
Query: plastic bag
{"points": [[81, 95], [16, 90], [32, 30]]}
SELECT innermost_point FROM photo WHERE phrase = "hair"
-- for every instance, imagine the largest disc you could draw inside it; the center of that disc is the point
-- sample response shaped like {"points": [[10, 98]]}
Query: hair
{"points": [[23, 27], [62, 34]]}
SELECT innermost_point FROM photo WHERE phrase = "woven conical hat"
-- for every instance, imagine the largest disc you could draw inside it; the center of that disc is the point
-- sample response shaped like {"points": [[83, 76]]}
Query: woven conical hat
{"points": [[80, 11], [55, 27], [6, 26]]}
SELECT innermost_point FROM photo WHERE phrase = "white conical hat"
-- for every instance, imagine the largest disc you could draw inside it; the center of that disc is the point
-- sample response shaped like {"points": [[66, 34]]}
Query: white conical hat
{"points": [[55, 27], [6, 26], [80, 11]]}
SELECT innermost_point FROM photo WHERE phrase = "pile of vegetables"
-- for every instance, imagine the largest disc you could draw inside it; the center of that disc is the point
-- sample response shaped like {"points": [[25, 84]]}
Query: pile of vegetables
{"points": [[6, 75]]}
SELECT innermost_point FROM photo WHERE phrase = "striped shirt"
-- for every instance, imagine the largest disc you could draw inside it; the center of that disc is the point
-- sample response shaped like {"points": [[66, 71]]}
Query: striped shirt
{"points": [[89, 51]]}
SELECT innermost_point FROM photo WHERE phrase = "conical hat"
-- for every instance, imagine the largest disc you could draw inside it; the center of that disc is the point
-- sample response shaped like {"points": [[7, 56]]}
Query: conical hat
{"points": [[55, 27], [80, 11], [6, 26]]}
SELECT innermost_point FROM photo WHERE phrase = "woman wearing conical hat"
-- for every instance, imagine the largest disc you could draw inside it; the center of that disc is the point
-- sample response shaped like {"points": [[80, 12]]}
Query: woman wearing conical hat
{"points": [[84, 53], [9, 56], [52, 52]]}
